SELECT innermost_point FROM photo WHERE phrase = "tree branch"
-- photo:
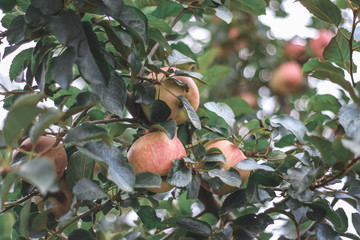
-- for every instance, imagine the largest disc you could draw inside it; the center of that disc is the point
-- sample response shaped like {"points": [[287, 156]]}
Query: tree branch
{"points": [[19, 201]]}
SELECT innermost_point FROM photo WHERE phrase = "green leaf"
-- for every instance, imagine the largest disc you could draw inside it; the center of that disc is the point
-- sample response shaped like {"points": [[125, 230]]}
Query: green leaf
{"points": [[87, 131], [119, 171], [256, 7], [156, 36], [301, 178], [291, 124], [338, 51], [79, 166], [177, 58], [81, 234], [40, 172], [67, 28], [194, 75], [339, 220], [231, 177], [325, 232], [6, 184], [252, 223], [83, 100], [325, 148], [86, 189], [319, 103], [356, 221], [325, 70], [148, 217], [7, 5], [193, 187], [349, 115], [239, 106], [148, 180], [179, 174], [184, 49], [135, 22], [233, 201], [169, 127], [47, 118], [215, 74], [193, 117], [20, 62], [214, 157], [62, 67], [159, 24], [24, 220], [324, 10], [16, 31], [159, 111], [21, 115], [195, 226], [224, 14], [250, 164], [223, 111], [48, 7]]}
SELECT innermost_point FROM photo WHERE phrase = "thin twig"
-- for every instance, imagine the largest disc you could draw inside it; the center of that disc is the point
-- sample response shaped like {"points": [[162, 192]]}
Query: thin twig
{"points": [[19, 201], [106, 121], [355, 13]]}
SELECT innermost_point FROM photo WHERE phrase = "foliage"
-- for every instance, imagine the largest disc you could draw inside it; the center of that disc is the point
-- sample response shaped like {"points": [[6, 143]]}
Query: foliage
{"points": [[84, 81]]}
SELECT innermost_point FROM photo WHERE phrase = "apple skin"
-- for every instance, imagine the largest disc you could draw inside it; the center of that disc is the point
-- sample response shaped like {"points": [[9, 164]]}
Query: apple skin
{"points": [[62, 200], [154, 152], [233, 155], [178, 112], [250, 98], [57, 155], [294, 51], [286, 78], [318, 44]]}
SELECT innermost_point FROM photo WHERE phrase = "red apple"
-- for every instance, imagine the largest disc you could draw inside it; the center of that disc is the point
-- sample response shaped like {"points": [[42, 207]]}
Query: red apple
{"points": [[154, 152], [317, 45], [250, 98], [287, 78], [44, 148], [293, 50], [168, 91], [233, 155]]}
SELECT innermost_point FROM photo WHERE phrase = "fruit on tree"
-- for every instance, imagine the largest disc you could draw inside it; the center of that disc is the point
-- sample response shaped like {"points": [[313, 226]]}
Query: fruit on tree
{"points": [[61, 200], [293, 50], [250, 98], [45, 148], [154, 152], [318, 44], [168, 90], [233, 155], [286, 78]]}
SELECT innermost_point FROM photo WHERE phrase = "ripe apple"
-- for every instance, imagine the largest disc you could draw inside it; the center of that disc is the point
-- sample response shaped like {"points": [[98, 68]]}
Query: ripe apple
{"points": [[154, 152], [293, 50], [62, 200], [44, 148], [317, 45], [287, 78], [168, 91], [233, 155], [250, 98]]}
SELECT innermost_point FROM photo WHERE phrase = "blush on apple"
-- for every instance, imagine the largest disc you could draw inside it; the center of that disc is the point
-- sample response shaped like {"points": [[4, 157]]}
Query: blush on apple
{"points": [[286, 78], [318, 44], [154, 152], [294, 50], [168, 91]]}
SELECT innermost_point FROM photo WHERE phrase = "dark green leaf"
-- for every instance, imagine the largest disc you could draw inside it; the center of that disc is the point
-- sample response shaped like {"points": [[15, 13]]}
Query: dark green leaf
{"points": [[184, 49], [195, 226], [233, 201], [301, 178], [21, 115], [20, 62], [156, 36], [148, 217], [253, 223], [24, 220], [119, 171], [7, 5], [324, 10], [179, 174], [194, 118], [48, 7], [159, 111], [291, 124], [231, 177], [144, 93], [34, 17], [339, 220], [356, 222], [256, 7], [67, 28], [87, 131], [135, 62], [147, 180], [159, 24], [40, 172], [16, 31], [194, 75], [62, 67], [169, 127], [83, 100], [338, 51], [81, 234], [177, 58], [193, 187], [49, 117], [86, 189], [223, 111], [250, 164], [214, 157], [325, 232], [6, 184], [319, 103], [79, 166]]}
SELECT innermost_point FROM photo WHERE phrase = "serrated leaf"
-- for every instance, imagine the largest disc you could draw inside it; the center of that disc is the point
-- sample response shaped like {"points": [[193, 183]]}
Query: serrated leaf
{"points": [[148, 217], [193, 117], [147, 180], [231, 177], [86, 189], [80, 166], [46, 119], [179, 174], [87, 131], [223, 111], [250, 164], [324, 10], [195, 226], [40, 172], [291, 124]]}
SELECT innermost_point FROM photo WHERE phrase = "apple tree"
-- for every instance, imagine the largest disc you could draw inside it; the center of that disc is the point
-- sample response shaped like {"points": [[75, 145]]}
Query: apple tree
{"points": [[178, 119]]}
